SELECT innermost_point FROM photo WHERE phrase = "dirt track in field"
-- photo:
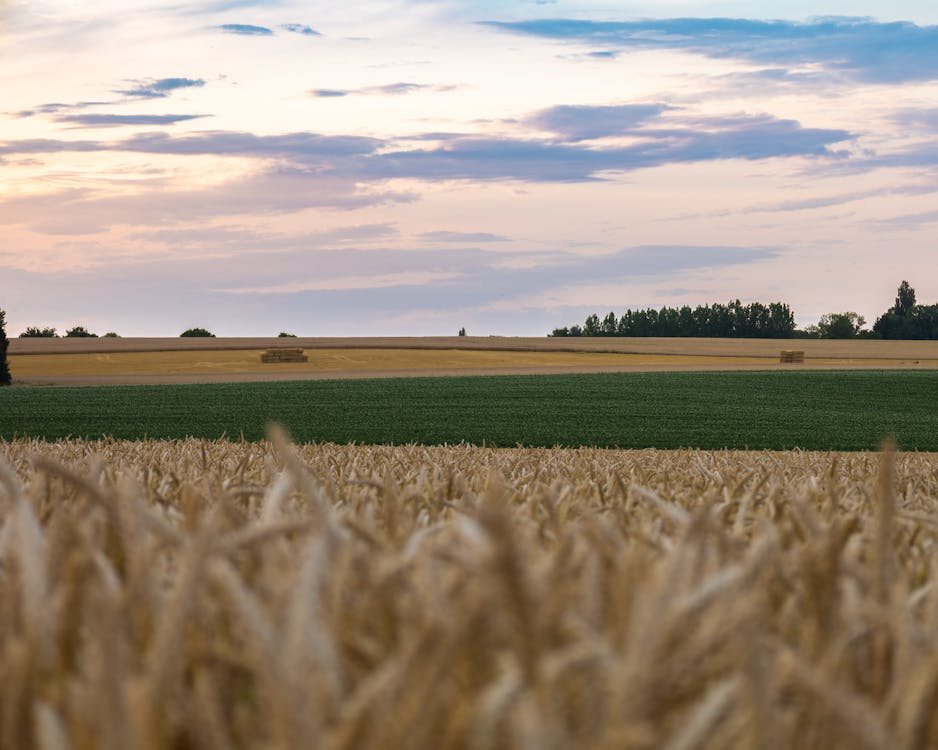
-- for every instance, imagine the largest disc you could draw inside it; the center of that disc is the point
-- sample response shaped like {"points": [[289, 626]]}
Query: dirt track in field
{"points": [[142, 361]]}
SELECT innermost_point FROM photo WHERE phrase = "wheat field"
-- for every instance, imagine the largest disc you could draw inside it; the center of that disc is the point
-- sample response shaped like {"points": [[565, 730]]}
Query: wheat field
{"points": [[259, 595]]}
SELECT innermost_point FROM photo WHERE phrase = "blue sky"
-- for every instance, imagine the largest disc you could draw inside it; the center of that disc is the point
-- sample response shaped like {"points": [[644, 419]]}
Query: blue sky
{"points": [[412, 167]]}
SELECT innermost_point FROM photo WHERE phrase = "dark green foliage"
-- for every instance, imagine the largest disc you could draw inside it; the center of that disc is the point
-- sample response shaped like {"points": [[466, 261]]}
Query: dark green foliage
{"points": [[907, 320], [5, 377], [733, 320], [846, 325], [462, 331], [196, 333], [111, 335], [39, 333], [80, 332], [849, 410], [905, 300], [282, 335]]}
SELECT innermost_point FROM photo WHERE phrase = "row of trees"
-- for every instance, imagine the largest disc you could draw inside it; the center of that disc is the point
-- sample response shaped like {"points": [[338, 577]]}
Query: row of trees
{"points": [[904, 320], [733, 320]]}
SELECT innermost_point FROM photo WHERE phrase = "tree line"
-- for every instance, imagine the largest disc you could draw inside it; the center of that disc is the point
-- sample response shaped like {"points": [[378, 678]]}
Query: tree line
{"points": [[904, 320]]}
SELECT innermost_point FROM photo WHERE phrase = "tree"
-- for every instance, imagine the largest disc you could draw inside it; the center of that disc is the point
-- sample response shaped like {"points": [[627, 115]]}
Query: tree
{"points": [[285, 335], [111, 335], [462, 331], [32, 332], [80, 332], [196, 333], [846, 325], [5, 377], [905, 300]]}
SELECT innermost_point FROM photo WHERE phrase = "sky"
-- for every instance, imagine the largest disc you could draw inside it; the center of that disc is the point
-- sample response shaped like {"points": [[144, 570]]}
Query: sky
{"points": [[411, 167]]}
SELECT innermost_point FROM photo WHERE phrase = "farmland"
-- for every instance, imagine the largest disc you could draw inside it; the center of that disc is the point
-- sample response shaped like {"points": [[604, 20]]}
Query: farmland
{"points": [[252, 595], [841, 410], [166, 361]]}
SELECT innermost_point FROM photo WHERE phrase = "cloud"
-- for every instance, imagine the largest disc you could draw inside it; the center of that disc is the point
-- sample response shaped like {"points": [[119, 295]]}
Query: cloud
{"points": [[462, 237], [580, 123], [475, 158], [160, 88], [389, 89], [464, 157], [298, 28], [244, 29], [161, 204], [857, 48], [907, 222], [106, 120]]}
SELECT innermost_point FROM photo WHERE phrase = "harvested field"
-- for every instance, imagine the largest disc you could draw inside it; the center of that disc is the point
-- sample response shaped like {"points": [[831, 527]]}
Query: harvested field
{"points": [[138, 367], [250, 595], [813, 348]]}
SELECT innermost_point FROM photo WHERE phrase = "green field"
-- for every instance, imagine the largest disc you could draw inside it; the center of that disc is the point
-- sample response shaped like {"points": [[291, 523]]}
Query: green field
{"points": [[847, 410]]}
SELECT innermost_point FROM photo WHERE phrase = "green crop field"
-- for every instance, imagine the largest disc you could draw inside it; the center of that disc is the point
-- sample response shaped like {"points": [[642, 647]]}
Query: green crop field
{"points": [[845, 410]]}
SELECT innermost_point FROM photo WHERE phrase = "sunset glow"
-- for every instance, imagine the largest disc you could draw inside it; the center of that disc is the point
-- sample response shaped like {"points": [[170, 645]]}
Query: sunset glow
{"points": [[411, 167]]}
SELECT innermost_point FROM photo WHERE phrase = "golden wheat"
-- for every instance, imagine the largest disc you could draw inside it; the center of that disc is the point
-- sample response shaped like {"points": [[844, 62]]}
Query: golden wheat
{"points": [[238, 595]]}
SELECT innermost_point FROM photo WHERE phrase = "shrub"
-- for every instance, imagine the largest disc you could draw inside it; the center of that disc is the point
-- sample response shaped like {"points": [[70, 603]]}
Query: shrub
{"points": [[196, 333], [80, 332], [285, 335], [34, 332]]}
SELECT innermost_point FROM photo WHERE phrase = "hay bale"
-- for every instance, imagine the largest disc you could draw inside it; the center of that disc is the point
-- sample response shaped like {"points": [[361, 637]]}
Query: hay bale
{"points": [[791, 355]]}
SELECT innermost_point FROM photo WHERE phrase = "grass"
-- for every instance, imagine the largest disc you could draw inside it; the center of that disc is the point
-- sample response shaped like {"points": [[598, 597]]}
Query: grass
{"points": [[843, 410], [254, 596]]}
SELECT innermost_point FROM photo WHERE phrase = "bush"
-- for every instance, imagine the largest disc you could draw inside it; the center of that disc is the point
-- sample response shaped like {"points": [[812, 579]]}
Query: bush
{"points": [[39, 333], [80, 332], [196, 333], [111, 335], [285, 335]]}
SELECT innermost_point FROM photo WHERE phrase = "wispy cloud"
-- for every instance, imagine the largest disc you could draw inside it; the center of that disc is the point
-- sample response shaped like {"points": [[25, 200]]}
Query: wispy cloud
{"points": [[388, 89], [109, 120], [857, 48], [159, 88], [459, 157], [244, 29], [299, 28], [580, 123], [462, 237]]}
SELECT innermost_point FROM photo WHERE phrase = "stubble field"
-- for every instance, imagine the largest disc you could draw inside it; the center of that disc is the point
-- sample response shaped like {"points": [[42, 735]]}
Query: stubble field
{"points": [[159, 361], [253, 595]]}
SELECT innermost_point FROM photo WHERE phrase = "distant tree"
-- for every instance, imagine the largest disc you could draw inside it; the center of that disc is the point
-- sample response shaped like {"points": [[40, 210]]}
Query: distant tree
{"points": [[110, 335], [39, 333], [462, 331], [906, 319], [846, 325], [196, 333], [80, 332], [592, 326], [559, 332], [285, 335], [610, 325], [5, 377], [905, 300]]}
